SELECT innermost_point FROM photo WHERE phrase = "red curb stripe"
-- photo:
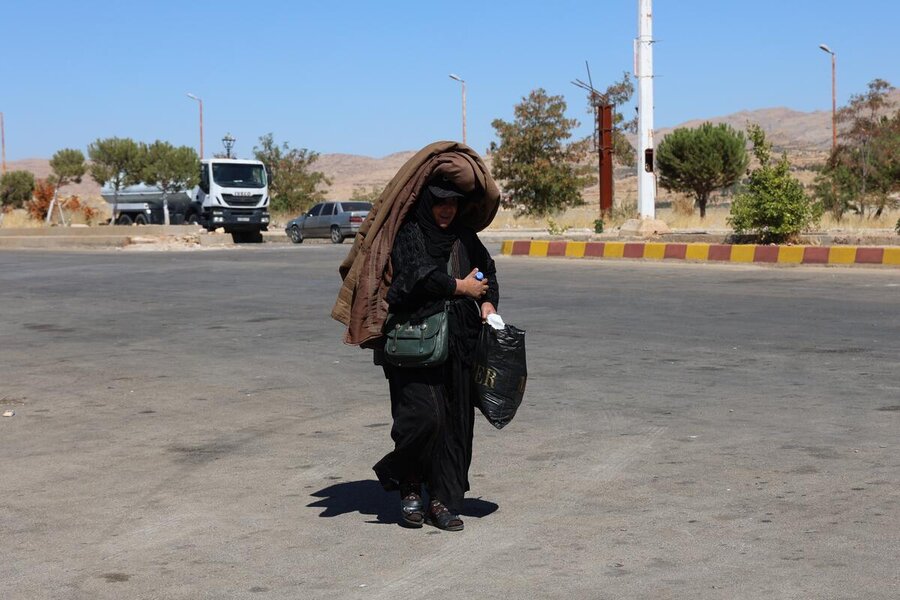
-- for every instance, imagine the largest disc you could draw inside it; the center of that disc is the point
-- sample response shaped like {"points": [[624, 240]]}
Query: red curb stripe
{"points": [[556, 249], [675, 251], [719, 252], [872, 256], [765, 254], [815, 255], [594, 249], [521, 247], [633, 250]]}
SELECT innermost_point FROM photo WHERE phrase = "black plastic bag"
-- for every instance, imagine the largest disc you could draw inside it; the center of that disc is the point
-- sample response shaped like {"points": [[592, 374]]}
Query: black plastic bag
{"points": [[500, 373]]}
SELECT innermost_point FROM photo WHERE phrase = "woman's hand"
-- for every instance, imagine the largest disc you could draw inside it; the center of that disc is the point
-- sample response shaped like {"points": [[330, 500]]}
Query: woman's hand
{"points": [[471, 287], [487, 309]]}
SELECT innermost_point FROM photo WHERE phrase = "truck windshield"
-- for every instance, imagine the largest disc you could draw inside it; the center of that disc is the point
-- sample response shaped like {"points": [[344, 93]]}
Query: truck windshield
{"points": [[237, 175]]}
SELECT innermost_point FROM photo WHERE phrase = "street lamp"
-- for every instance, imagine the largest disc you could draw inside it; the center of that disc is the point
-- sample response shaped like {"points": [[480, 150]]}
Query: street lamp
{"points": [[825, 48], [228, 142], [193, 97], [463, 82]]}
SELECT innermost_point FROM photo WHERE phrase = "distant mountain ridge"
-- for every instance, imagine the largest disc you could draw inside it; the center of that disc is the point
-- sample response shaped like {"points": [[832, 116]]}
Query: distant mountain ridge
{"points": [[808, 133]]}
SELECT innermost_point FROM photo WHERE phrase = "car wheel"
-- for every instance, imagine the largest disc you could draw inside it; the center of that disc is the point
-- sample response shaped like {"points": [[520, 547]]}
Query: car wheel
{"points": [[295, 235], [123, 220], [336, 236]]}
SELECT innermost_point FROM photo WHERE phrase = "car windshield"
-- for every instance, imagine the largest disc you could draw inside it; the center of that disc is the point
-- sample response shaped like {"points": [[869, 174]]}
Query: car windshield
{"points": [[355, 206], [238, 175]]}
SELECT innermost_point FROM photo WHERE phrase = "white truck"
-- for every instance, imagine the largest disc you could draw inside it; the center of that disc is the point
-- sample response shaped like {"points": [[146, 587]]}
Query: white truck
{"points": [[233, 195]]}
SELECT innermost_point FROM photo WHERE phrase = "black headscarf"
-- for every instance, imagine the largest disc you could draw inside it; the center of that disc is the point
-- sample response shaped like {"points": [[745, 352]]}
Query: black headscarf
{"points": [[438, 241]]}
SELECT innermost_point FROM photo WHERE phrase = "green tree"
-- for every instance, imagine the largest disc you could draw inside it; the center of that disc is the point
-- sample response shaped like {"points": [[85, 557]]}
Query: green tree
{"points": [[360, 193], [170, 169], [540, 171], [117, 162], [701, 160], [861, 173], [773, 205], [16, 188], [68, 167], [293, 185]]}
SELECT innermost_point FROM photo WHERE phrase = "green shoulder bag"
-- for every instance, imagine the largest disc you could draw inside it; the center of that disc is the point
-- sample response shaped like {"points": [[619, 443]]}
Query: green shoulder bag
{"points": [[425, 344]]}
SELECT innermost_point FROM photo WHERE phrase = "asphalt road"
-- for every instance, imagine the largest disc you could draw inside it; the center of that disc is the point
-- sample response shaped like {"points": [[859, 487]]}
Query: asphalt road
{"points": [[189, 426]]}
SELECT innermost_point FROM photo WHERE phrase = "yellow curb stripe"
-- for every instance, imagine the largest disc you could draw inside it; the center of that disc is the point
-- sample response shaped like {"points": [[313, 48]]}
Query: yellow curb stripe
{"points": [[790, 254], [575, 249], [538, 248], [743, 253], [842, 255], [654, 250], [891, 256], [697, 252], [614, 250], [506, 248]]}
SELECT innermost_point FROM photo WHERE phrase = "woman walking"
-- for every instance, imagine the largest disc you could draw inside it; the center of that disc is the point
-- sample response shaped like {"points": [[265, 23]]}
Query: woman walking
{"points": [[417, 253], [436, 259]]}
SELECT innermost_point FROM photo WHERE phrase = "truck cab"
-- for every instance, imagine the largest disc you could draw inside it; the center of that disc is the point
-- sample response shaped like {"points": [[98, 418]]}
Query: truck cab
{"points": [[233, 194]]}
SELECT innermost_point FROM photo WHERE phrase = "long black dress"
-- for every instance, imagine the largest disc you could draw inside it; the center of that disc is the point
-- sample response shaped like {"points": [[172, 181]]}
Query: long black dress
{"points": [[432, 407]]}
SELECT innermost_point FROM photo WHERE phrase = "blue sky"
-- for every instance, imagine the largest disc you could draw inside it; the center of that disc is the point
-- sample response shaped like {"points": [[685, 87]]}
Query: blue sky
{"points": [[372, 77]]}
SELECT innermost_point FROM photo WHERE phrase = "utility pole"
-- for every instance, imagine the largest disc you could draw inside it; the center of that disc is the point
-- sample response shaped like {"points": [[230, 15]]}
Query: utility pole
{"points": [[644, 75], [605, 148], [603, 137]]}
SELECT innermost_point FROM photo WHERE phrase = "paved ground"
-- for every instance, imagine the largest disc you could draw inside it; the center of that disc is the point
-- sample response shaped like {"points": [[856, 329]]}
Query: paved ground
{"points": [[188, 426]]}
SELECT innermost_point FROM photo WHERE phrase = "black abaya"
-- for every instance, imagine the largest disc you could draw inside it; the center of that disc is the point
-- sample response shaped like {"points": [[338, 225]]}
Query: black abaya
{"points": [[432, 408]]}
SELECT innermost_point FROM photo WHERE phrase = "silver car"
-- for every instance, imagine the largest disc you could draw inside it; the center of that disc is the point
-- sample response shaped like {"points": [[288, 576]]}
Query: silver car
{"points": [[335, 220]]}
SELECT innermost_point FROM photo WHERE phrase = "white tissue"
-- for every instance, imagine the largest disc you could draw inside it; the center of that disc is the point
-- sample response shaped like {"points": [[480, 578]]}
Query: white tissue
{"points": [[495, 321]]}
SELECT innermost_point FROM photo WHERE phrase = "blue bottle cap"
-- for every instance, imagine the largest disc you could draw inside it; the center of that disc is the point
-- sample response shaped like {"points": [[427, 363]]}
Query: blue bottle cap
{"points": [[479, 275]]}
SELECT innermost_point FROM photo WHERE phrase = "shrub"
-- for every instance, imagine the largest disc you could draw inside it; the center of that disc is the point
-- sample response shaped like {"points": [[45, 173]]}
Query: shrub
{"points": [[554, 228], [773, 205], [16, 188], [40, 202]]}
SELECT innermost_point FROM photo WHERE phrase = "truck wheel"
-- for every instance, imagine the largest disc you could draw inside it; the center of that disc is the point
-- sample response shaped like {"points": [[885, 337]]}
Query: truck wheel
{"points": [[336, 236], [295, 235], [193, 219], [140, 220], [123, 220]]}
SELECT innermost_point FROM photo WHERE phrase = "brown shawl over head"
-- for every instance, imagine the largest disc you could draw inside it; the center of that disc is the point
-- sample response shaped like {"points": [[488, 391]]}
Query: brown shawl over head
{"points": [[366, 271]]}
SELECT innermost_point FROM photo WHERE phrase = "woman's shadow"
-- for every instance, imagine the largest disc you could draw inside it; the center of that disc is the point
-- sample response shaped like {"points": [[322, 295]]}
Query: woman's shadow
{"points": [[367, 497]]}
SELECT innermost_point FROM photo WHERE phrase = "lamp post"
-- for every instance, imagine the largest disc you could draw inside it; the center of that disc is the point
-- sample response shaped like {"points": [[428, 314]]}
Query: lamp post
{"points": [[200, 101], [228, 142], [825, 48], [463, 82]]}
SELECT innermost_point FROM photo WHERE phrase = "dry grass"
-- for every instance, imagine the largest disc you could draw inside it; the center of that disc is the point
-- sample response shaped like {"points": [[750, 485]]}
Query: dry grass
{"points": [[19, 217], [674, 213]]}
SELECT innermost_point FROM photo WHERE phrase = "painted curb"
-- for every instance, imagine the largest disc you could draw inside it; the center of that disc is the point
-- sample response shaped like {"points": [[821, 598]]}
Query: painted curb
{"points": [[734, 253]]}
